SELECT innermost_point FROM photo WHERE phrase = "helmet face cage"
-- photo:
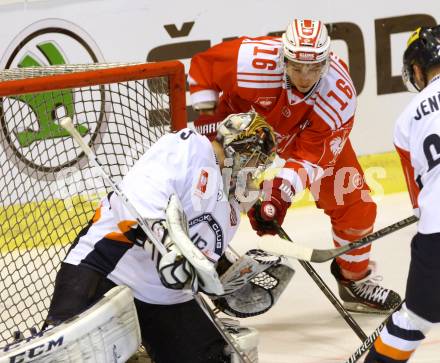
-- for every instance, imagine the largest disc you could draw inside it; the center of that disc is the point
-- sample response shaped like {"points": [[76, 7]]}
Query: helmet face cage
{"points": [[306, 41], [249, 141], [423, 49]]}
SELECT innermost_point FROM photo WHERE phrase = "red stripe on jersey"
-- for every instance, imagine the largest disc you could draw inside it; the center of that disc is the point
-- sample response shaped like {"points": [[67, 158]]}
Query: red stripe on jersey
{"points": [[343, 74], [262, 74], [341, 68], [330, 106], [258, 81], [330, 118]]}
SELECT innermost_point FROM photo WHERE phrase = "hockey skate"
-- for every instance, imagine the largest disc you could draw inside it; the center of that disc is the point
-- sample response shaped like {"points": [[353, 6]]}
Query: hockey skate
{"points": [[365, 295]]}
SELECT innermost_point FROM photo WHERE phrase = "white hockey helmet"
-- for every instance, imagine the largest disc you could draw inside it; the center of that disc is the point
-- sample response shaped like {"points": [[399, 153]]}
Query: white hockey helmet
{"points": [[306, 41]]}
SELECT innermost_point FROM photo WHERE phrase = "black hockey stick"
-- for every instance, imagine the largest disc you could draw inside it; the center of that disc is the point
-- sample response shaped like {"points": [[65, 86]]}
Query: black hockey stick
{"points": [[326, 290], [369, 341], [310, 254]]}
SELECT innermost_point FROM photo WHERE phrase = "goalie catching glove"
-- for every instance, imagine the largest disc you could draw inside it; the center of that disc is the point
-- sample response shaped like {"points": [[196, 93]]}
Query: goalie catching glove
{"points": [[262, 291]]}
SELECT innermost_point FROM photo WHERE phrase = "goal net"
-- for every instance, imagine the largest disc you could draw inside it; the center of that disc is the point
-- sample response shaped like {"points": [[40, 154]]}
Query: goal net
{"points": [[48, 190]]}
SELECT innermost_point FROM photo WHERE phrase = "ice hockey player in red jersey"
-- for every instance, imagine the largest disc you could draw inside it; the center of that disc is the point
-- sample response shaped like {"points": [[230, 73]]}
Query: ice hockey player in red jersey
{"points": [[306, 93], [417, 140]]}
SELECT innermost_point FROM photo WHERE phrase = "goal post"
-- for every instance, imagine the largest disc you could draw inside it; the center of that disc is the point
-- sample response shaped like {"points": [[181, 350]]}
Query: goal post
{"points": [[48, 190]]}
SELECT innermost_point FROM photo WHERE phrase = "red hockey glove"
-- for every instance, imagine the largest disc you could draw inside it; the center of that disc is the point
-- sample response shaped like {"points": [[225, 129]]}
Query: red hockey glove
{"points": [[277, 197]]}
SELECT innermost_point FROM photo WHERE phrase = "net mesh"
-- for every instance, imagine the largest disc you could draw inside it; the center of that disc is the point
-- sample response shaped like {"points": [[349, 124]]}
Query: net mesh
{"points": [[48, 190]]}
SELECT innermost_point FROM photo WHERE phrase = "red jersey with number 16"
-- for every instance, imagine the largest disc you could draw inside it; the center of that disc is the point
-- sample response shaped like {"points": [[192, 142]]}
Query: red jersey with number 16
{"points": [[248, 73]]}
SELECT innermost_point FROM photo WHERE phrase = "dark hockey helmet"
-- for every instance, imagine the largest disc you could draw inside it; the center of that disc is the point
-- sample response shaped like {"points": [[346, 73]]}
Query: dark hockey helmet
{"points": [[249, 142], [423, 48]]}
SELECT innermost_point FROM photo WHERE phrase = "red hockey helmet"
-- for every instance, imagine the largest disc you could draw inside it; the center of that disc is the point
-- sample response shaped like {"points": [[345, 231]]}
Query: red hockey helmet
{"points": [[306, 41]]}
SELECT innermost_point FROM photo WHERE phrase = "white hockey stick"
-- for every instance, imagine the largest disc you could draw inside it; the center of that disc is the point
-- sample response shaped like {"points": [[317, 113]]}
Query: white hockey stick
{"points": [[305, 253], [68, 125], [106, 332]]}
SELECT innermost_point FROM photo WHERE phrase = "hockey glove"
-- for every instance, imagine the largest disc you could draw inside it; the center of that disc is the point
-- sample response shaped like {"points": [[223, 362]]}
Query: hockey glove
{"points": [[277, 196], [174, 270]]}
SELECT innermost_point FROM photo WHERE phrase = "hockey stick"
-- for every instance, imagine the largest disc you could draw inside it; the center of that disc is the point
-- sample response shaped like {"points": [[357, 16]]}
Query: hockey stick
{"points": [[369, 341], [67, 124], [310, 254], [326, 290]]}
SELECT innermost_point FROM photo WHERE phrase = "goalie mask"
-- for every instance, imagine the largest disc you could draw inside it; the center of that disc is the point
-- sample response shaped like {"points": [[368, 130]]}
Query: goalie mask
{"points": [[249, 144], [423, 49]]}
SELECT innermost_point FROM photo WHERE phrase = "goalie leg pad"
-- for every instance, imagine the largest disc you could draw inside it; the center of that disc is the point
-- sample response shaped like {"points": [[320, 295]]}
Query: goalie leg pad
{"points": [[106, 332], [246, 337]]}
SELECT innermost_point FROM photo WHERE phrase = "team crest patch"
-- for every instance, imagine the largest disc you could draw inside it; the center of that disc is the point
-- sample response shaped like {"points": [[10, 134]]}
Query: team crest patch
{"points": [[265, 102], [286, 112], [336, 145], [202, 183]]}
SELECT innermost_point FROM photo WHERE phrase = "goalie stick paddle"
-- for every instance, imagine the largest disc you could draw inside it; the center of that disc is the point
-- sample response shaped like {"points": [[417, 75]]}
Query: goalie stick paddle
{"points": [[67, 124], [369, 341], [305, 253]]}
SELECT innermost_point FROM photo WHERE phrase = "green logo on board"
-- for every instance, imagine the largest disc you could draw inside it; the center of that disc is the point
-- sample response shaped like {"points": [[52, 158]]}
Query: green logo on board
{"points": [[47, 105]]}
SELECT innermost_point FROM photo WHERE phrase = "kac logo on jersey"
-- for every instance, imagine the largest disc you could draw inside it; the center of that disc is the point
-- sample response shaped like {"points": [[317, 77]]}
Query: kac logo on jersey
{"points": [[214, 226], [336, 145], [286, 112]]}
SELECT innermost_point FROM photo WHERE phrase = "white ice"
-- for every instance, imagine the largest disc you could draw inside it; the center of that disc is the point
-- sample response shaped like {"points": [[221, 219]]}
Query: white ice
{"points": [[304, 327]]}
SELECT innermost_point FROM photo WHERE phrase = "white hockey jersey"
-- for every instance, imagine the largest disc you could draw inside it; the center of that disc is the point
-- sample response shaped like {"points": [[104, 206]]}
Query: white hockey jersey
{"points": [[417, 140], [182, 163]]}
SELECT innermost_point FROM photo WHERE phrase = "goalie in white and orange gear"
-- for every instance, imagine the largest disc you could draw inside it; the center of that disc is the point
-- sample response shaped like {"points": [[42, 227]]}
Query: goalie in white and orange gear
{"points": [[113, 250], [306, 93]]}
